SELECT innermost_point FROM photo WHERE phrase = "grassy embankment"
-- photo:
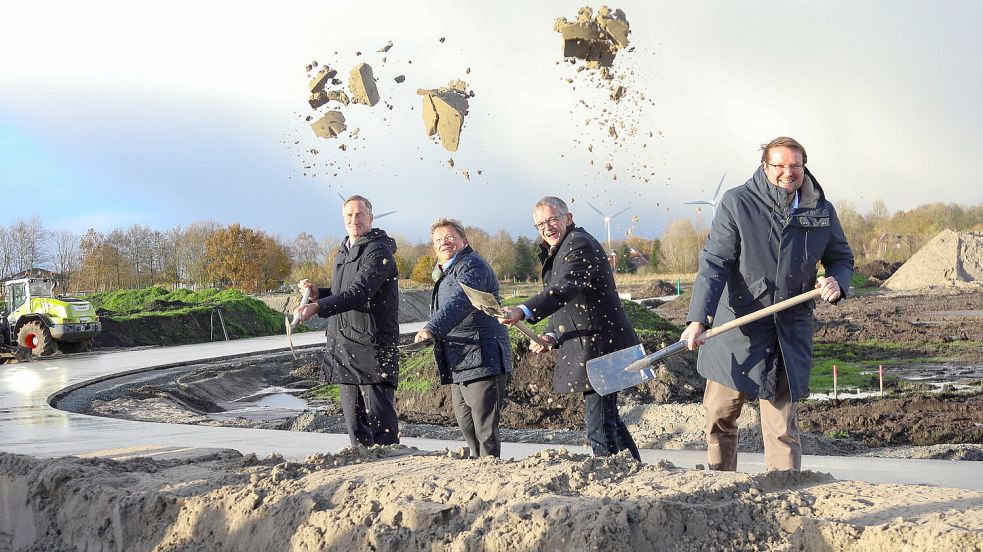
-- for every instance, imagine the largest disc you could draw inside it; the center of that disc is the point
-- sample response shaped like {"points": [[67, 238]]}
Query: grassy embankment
{"points": [[156, 316]]}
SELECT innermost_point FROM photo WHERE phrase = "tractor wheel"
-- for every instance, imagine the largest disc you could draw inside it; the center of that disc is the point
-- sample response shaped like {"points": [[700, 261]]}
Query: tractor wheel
{"points": [[69, 347], [36, 338]]}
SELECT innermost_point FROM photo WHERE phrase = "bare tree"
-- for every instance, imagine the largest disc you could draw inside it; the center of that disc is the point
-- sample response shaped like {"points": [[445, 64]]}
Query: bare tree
{"points": [[30, 241], [7, 252], [681, 246], [305, 250], [66, 254], [190, 253]]}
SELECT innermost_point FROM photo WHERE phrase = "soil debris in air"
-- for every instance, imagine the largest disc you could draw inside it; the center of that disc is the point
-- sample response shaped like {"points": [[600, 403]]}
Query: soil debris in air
{"points": [[444, 110], [594, 39], [330, 125], [362, 85]]}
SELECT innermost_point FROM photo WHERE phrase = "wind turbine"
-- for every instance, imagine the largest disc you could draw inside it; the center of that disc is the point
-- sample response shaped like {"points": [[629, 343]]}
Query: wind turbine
{"points": [[379, 216], [713, 201], [607, 220]]}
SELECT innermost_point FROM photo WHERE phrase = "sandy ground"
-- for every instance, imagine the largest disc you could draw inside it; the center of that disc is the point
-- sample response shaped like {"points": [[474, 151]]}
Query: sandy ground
{"points": [[397, 498]]}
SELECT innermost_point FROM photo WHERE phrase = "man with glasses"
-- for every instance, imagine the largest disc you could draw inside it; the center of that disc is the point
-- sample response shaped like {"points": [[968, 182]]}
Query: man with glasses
{"points": [[360, 353], [765, 242], [471, 348], [587, 319]]}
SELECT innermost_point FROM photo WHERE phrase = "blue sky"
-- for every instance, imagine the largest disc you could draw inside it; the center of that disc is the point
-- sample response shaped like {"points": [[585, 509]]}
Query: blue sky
{"points": [[116, 113]]}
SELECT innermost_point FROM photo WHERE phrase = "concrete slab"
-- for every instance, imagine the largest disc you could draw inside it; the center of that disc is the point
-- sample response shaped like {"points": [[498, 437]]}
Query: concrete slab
{"points": [[29, 425]]}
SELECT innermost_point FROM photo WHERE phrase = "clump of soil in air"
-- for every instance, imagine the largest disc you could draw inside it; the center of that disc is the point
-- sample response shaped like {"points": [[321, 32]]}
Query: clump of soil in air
{"points": [[362, 84], [330, 125], [444, 110], [594, 39]]}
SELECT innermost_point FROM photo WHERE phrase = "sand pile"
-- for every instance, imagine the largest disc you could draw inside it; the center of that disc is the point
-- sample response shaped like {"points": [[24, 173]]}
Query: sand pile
{"points": [[398, 498], [949, 259], [443, 112]]}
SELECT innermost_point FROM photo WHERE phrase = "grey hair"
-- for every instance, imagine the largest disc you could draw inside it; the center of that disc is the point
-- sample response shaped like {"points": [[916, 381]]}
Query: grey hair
{"points": [[444, 222], [554, 202], [363, 199]]}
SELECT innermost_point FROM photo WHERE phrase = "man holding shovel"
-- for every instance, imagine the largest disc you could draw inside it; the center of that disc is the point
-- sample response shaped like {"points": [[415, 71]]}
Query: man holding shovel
{"points": [[587, 319], [765, 242]]}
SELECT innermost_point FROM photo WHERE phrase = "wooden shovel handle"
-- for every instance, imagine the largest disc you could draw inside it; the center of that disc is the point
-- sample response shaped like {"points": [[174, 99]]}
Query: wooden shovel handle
{"points": [[756, 315]]}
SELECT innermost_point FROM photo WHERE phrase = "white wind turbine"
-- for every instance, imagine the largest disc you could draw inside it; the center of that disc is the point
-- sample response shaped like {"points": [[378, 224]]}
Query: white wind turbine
{"points": [[607, 220], [713, 200], [379, 216]]}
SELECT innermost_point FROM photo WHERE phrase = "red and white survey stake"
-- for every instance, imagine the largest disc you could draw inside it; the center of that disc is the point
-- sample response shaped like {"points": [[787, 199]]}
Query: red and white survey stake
{"points": [[834, 382], [880, 375]]}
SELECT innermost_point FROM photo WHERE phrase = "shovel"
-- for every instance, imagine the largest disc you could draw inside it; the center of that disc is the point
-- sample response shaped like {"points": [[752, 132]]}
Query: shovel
{"points": [[486, 303], [291, 324], [630, 367]]}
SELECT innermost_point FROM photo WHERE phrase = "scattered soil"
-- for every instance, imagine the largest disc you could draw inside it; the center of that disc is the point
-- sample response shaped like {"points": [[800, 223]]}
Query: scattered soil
{"points": [[877, 270], [399, 498]]}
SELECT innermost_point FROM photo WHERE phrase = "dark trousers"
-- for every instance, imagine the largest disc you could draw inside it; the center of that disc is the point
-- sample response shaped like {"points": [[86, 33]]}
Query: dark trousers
{"points": [[478, 409], [607, 434], [370, 413]]}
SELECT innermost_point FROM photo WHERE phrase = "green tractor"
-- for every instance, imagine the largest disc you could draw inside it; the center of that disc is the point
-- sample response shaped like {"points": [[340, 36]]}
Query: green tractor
{"points": [[38, 323]]}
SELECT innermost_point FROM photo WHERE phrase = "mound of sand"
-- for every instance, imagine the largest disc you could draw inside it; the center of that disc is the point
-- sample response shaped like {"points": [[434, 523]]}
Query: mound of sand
{"points": [[949, 259], [399, 498]]}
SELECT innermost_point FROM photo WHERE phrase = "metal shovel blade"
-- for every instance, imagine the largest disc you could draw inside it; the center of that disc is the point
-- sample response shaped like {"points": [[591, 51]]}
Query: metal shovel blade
{"points": [[607, 373]]}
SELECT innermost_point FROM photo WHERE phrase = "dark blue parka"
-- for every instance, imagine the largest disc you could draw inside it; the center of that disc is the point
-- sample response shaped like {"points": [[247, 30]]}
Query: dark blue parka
{"points": [[362, 304], [587, 316], [760, 252], [468, 344]]}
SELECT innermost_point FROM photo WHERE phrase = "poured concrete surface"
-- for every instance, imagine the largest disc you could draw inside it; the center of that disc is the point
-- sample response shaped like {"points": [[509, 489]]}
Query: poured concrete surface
{"points": [[29, 425]]}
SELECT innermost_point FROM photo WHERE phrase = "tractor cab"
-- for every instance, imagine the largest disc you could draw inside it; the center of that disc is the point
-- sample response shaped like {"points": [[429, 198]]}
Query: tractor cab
{"points": [[43, 322]]}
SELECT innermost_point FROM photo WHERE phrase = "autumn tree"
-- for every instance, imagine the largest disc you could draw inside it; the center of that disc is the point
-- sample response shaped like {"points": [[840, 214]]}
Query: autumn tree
{"points": [[423, 271], [246, 259]]}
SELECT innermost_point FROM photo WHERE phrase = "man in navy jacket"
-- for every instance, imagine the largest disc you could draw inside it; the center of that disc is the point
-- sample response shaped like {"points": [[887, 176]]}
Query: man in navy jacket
{"points": [[471, 348]]}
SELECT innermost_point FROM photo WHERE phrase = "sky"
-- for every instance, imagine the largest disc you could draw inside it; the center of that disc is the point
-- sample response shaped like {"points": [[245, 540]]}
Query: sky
{"points": [[121, 113]]}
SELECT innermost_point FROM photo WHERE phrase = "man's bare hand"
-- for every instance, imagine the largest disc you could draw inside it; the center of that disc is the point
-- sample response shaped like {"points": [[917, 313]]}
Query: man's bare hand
{"points": [[537, 348], [510, 316], [305, 284], [830, 288], [307, 311], [693, 335], [422, 335]]}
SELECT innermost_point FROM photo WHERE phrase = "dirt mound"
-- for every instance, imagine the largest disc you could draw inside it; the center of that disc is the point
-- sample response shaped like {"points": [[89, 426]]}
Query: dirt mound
{"points": [[398, 498], [531, 402], [949, 259], [877, 270], [918, 420], [655, 288]]}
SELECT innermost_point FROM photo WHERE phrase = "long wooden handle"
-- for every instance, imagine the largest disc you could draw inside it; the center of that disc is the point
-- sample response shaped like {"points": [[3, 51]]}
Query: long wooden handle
{"points": [[531, 334], [756, 315]]}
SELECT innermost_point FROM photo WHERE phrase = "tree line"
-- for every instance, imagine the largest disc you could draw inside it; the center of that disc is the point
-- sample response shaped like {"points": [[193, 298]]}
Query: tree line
{"points": [[207, 254]]}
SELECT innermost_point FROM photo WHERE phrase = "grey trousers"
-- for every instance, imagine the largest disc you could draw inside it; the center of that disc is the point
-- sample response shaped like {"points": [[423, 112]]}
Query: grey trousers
{"points": [[478, 409], [370, 413]]}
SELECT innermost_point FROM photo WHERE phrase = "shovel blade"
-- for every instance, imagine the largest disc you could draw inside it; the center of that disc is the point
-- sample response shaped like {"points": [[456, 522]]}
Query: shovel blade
{"points": [[607, 373]]}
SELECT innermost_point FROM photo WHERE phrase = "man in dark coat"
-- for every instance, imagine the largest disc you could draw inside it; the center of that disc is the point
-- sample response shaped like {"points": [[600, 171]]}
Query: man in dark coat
{"points": [[471, 348], [588, 320], [360, 353], [765, 242]]}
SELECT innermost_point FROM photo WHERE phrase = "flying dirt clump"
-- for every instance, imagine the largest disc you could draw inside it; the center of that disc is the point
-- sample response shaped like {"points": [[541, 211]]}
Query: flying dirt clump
{"points": [[330, 125], [444, 110], [594, 39], [362, 85]]}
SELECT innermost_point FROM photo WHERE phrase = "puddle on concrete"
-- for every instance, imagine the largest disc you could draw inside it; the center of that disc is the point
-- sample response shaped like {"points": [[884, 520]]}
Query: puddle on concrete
{"points": [[269, 403]]}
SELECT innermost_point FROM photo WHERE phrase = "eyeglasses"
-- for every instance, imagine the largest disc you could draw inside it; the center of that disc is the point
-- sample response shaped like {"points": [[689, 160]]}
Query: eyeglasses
{"points": [[793, 168], [444, 239], [552, 221]]}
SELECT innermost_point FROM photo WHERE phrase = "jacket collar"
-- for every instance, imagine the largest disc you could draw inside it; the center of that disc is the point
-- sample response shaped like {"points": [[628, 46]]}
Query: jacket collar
{"points": [[810, 193]]}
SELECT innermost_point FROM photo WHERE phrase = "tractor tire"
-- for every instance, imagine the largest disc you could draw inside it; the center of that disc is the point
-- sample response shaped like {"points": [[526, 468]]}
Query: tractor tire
{"points": [[71, 347], [36, 338]]}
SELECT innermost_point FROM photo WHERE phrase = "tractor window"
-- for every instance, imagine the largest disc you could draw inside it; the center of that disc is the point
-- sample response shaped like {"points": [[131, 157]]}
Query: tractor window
{"points": [[41, 288], [18, 294]]}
